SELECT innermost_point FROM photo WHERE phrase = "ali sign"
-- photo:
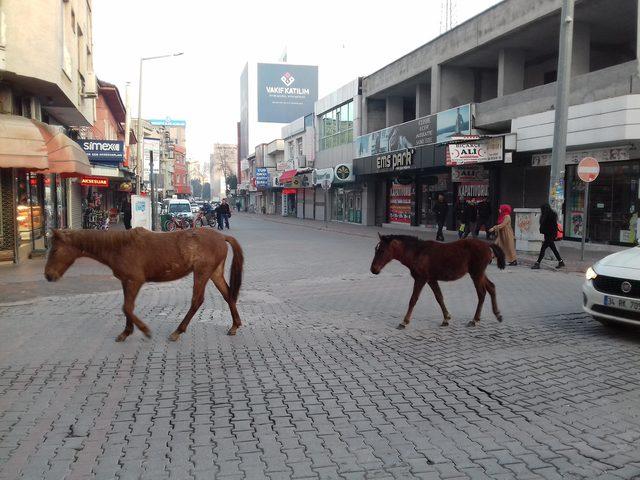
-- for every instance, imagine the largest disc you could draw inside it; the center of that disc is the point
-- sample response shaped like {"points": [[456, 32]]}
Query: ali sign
{"points": [[588, 169], [489, 150]]}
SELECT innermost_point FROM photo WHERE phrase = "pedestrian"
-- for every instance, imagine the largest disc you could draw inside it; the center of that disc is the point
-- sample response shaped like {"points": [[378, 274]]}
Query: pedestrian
{"points": [[238, 205], [440, 209], [126, 212], [504, 234], [484, 218], [470, 215], [223, 213], [460, 216], [548, 228]]}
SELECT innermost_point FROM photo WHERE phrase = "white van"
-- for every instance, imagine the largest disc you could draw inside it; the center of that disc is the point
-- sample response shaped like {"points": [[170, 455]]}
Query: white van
{"points": [[177, 206]]}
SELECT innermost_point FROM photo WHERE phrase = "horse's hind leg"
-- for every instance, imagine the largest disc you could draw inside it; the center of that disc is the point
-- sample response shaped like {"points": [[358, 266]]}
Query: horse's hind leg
{"points": [[221, 284], [417, 288], [131, 289], [482, 292], [491, 288], [440, 299], [199, 285]]}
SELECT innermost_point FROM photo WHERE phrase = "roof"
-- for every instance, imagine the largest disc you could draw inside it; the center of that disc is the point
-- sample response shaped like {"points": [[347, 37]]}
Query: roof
{"points": [[112, 97]]}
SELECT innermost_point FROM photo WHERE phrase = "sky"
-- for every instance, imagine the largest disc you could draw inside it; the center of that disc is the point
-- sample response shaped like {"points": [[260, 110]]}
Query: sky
{"points": [[345, 38]]}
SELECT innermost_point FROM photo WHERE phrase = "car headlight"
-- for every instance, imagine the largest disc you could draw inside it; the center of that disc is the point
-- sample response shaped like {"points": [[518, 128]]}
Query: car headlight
{"points": [[591, 273]]}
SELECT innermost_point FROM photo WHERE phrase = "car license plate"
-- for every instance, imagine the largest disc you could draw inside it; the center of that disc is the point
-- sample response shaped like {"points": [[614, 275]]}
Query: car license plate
{"points": [[623, 303]]}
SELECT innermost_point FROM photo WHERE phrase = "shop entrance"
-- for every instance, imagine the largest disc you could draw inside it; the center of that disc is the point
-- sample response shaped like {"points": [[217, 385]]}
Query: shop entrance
{"points": [[613, 204], [348, 206], [432, 186]]}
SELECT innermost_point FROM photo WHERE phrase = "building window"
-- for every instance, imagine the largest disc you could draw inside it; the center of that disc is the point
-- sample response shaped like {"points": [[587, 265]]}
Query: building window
{"points": [[336, 126], [291, 152], [299, 145]]}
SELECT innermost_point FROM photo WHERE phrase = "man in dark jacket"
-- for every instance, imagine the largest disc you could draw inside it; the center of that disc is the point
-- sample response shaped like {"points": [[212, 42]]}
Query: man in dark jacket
{"points": [[484, 218], [440, 209], [223, 213], [470, 213], [126, 212], [548, 228]]}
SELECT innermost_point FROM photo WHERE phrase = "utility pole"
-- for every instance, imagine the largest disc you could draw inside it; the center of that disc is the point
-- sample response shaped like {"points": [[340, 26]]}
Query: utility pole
{"points": [[556, 179], [139, 159], [127, 120], [153, 191]]}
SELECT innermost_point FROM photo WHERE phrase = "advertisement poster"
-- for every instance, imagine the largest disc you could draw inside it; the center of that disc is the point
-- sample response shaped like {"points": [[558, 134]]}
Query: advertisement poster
{"points": [[576, 224], [478, 190], [286, 92], [262, 177], [400, 203], [140, 211], [427, 130]]}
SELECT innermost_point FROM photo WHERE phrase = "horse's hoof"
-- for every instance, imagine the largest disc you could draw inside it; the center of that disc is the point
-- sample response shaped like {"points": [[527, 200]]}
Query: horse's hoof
{"points": [[174, 337], [121, 338], [232, 331], [472, 323], [402, 326], [499, 318], [147, 333], [444, 324]]}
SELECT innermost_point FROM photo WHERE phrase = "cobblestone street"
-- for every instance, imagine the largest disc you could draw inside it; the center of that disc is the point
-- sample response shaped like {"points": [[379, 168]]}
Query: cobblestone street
{"points": [[318, 383]]}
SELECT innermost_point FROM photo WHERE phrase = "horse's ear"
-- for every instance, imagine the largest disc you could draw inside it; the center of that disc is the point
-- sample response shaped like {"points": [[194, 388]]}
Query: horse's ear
{"points": [[55, 232], [379, 235], [59, 234]]}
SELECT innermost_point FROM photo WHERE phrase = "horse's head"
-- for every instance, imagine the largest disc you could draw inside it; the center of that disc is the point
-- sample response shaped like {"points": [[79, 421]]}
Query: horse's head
{"points": [[385, 252], [61, 256]]}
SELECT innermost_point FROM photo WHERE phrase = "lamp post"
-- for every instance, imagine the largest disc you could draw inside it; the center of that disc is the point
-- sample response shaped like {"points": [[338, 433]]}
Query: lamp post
{"points": [[140, 161]]}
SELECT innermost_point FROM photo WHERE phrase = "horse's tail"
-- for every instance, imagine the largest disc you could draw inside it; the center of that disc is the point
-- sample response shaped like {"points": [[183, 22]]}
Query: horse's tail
{"points": [[497, 251], [235, 280]]}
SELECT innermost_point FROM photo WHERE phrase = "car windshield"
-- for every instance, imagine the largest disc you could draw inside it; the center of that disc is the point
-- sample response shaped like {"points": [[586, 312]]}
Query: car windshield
{"points": [[179, 208]]}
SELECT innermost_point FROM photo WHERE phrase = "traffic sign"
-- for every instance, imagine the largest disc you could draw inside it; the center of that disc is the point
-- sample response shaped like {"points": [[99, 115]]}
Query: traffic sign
{"points": [[588, 169]]}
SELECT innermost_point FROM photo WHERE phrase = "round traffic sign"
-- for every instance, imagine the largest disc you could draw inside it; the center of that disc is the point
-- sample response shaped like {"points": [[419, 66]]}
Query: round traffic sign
{"points": [[588, 169]]}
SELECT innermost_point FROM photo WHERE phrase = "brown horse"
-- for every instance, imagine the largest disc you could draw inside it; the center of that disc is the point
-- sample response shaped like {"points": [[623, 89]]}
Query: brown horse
{"points": [[138, 256], [430, 262]]}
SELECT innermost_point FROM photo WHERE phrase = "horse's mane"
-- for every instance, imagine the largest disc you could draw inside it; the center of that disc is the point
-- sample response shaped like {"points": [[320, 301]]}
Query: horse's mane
{"points": [[94, 241], [409, 241]]}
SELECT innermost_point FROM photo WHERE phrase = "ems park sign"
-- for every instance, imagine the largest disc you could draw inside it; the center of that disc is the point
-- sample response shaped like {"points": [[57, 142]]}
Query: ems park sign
{"points": [[104, 152]]}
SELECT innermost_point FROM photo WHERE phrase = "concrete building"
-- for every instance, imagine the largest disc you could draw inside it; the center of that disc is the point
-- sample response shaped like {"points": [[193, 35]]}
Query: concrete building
{"points": [[181, 182], [47, 87], [500, 67]]}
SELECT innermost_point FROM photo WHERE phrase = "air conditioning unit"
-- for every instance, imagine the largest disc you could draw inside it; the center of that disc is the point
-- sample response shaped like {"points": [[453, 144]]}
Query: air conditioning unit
{"points": [[90, 86]]}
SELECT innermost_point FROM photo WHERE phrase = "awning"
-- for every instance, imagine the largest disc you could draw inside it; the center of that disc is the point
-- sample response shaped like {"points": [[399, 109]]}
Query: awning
{"points": [[65, 155], [27, 143], [287, 176], [21, 143]]}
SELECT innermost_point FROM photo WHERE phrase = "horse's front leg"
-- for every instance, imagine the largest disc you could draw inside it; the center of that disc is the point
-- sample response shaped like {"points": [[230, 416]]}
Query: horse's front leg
{"points": [[439, 298], [130, 289], [417, 288]]}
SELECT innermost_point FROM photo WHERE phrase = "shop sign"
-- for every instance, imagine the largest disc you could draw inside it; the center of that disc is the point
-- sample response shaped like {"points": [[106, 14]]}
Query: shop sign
{"points": [[436, 128], [601, 155], [151, 145], [489, 150], [102, 182], [283, 166], [262, 177], [473, 190], [396, 161], [322, 174], [104, 151], [344, 173], [466, 173]]}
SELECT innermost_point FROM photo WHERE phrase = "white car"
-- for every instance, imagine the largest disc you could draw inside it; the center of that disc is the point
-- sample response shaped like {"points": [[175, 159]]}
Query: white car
{"points": [[611, 292]]}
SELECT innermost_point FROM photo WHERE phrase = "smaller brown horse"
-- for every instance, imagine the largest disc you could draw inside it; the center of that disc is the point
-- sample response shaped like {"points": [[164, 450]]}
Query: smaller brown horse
{"points": [[138, 256], [430, 262]]}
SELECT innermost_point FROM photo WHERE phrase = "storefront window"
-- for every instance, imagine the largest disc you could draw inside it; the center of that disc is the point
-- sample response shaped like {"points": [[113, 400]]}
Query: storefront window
{"points": [[401, 195], [613, 204], [29, 211], [431, 187]]}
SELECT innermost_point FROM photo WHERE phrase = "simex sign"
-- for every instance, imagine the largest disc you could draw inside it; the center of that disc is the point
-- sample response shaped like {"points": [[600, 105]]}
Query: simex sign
{"points": [[109, 152], [286, 92]]}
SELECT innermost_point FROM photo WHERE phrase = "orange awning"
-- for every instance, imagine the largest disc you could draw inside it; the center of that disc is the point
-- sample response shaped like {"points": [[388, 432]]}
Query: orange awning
{"points": [[65, 155], [287, 176], [22, 144], [33, 145]]}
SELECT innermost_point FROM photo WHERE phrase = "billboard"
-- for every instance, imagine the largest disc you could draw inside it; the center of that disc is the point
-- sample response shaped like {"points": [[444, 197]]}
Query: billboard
{"points": [[286, 92], [167, 122], [106, 152], [262, 177], [436, 128]]}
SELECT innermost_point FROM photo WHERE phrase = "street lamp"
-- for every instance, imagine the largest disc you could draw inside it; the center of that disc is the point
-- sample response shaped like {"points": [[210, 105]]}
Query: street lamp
{"points": [[140, 161]]}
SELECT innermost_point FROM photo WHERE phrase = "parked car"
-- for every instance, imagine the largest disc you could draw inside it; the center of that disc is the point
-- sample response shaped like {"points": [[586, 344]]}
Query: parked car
{"points": [[611, 292], [177, 206]]}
